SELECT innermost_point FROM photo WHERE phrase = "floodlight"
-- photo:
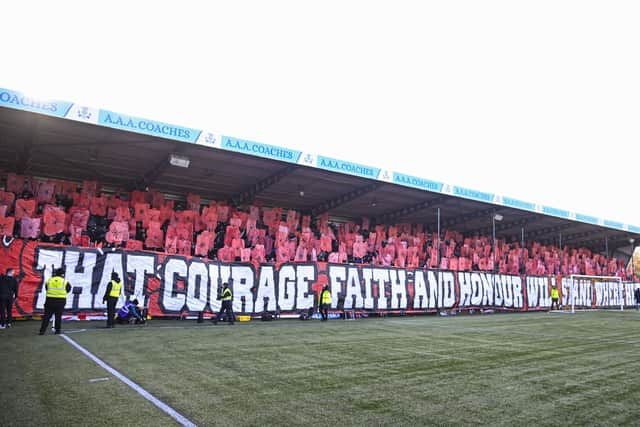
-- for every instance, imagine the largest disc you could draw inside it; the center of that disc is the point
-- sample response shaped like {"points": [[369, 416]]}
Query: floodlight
{"points": [[179, 161]]}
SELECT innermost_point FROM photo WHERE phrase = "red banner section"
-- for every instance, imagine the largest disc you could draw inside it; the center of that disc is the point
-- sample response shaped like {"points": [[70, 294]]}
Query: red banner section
{"points": [[171, 285]]}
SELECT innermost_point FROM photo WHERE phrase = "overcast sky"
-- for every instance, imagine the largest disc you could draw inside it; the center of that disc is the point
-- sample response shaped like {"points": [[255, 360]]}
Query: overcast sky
{"points": [[538, 100]]}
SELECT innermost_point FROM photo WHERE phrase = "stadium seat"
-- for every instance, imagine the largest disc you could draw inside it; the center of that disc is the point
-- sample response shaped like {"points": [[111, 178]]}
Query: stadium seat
{"points": [[6, 226], [54, 222]]}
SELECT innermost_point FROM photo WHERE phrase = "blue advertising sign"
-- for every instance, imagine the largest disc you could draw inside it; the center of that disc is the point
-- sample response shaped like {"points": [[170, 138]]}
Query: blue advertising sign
{"points": [[412, 181], [587, 218], [613, 224], [258, 149], [473, 194], [148, 127], [347, 167], [518, 204], [555, 212], [19, 101]]}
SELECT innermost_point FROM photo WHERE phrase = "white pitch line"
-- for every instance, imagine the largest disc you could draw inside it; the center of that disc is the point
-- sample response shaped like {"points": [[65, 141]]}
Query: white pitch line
{"points": [[151, 398]]}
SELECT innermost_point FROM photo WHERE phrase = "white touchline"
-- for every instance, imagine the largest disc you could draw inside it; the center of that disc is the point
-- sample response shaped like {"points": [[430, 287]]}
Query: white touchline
{"points": [[151, 398]]}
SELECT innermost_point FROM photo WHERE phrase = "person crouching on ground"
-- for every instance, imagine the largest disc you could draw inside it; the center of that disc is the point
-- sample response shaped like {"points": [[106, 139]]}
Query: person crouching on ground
{"points": [[111, 295], [128, 312]]}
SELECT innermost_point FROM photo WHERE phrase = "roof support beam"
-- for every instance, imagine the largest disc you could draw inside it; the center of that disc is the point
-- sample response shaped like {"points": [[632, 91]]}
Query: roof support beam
{"points": [[582, 235], [408, 210], [501, 226], [542, 232], [249, 193], [154, 172], [90, 172], [614, 242], [461, 219], [24, 156], [330, 204]]}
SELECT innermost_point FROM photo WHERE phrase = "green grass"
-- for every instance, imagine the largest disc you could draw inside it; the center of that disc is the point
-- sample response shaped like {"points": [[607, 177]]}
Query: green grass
{"points": [[534, 368]]}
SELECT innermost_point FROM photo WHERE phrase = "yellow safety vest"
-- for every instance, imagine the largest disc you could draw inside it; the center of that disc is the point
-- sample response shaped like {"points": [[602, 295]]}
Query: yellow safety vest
{"points": [[325, 297], [227, 295], [57, 287], [554, 293], [115, 289]]}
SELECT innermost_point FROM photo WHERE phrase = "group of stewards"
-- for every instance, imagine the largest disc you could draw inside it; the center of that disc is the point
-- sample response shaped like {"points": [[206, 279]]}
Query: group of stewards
{"points": [[57, 288]]}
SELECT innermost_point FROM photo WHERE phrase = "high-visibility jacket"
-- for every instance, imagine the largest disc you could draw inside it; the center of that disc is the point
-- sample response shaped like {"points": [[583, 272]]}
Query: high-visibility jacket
{"points": [[227, 295], [116, 287], [57, 287], [325, 297], [554, 293]]}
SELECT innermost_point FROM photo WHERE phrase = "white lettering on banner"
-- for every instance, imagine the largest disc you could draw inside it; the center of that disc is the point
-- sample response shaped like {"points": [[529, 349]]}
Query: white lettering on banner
{"points": [[538, 292], [307, 275], [476, 290], [79, 272], [433, 283], [504, 291], [510, 288], [47, 260], [287, 287], [487, 290], [498, 292], [420, 295], [242, 284], [584, 293], [353, 292], [398, 280], [192, 285], [139, 269], [173, 300], [367, 277], [112, 263], [197, 286], [629, 288], [215, 285], [447, 289], [337, 276], [266, 293], [381, 277], [464, 282], [518, 297], [565, 289]]}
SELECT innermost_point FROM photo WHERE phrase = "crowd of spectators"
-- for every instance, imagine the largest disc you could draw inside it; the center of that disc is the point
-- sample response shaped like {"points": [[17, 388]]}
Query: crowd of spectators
{"points": [[81, 215]]}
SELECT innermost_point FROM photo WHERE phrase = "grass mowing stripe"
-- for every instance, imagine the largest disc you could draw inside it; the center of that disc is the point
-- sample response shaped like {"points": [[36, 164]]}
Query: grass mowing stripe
{"points": [[151, 398]]}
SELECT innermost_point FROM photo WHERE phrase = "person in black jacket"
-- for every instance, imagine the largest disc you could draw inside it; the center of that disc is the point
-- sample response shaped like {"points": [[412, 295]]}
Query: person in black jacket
{"points": [[8, 293], [111, 296]]}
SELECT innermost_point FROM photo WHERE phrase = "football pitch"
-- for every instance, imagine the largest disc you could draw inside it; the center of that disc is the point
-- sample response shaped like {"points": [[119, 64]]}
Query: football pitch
{"points": [[500, 369]]}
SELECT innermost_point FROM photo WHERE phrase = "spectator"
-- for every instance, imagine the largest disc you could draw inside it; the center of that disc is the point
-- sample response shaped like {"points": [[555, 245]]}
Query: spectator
{"points": [[8, 293]]}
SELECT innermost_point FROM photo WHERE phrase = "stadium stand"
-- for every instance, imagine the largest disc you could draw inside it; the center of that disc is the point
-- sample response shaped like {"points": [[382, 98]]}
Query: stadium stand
{"points": [[83, 215]]}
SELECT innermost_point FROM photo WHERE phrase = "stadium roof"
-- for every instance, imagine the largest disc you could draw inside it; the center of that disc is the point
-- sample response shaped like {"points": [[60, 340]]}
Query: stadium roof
{"points": [[63, 140]]}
